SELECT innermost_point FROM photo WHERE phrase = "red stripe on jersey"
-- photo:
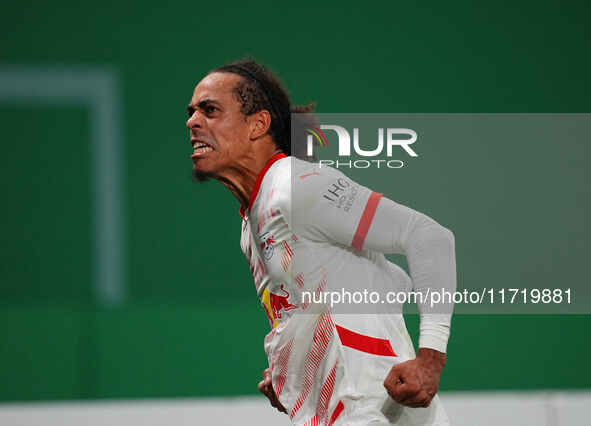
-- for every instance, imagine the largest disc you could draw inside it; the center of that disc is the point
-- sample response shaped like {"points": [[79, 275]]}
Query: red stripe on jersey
{"points": [[308, 174], [326, 394], [286, 256], [288, 248], [283, 364], [257, 184], [322, 336], [336, 413], [313, 422], [366, 219], [363, 343], [300, 280]]}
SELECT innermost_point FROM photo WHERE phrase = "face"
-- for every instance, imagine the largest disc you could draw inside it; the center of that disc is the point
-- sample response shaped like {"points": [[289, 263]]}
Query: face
{"points": [[218, 130]]}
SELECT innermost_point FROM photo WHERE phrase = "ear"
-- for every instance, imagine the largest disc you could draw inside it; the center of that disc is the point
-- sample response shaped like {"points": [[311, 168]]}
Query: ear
{"points": [[259, 124]]}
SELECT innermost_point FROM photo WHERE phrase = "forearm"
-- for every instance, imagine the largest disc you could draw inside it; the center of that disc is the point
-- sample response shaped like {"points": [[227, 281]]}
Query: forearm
{"points": [[430, 252], [434, 331]]}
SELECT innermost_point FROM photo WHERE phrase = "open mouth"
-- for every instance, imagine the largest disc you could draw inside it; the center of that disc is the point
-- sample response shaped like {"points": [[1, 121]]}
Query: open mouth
{"points": [[200, 148]]}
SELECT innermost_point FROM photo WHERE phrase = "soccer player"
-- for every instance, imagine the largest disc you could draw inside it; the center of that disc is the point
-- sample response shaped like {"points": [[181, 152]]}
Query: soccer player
{"points": [[326, 366]]}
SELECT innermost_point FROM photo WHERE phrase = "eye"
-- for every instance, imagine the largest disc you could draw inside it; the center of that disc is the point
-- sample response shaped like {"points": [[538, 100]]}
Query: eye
{"points": [[209, 109]]}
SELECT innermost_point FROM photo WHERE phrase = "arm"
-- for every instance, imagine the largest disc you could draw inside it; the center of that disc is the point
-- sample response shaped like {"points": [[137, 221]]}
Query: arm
{"points": [[379, 224], [430, 252]]}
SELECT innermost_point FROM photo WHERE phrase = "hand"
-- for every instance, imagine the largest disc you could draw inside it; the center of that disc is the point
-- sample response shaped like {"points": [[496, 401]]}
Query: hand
{"points": [[266, 388], [414, 383]]}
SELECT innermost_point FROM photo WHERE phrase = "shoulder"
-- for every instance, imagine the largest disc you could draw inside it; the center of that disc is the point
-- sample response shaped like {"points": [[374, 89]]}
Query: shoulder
{"points": [[291, 183], [321, 186], [310, 190], [297, 183]]}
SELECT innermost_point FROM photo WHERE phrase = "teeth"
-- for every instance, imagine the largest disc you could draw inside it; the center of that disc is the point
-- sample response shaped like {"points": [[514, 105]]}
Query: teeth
{"points": [[202, 148]]}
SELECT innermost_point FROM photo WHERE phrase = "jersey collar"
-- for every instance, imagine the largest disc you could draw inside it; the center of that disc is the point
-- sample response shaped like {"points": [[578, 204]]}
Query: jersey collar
{"points": [[257, 184]]}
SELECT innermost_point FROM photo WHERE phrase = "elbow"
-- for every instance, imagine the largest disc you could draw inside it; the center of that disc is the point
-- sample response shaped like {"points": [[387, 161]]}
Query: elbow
{"points": [[447, 238], [449, 235], [434, 236], [427, 233]]}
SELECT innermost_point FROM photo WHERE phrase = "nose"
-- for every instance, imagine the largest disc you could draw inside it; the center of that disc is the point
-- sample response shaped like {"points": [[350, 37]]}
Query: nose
{"points": [[195, 121]]}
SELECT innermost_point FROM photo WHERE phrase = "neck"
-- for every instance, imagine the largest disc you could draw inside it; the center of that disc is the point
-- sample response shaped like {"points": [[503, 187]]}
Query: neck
{"points": [[241, 177]]}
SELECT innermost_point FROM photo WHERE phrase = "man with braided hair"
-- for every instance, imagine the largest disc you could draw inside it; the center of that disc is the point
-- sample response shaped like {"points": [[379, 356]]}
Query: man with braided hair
{"points": [[325, 367]]}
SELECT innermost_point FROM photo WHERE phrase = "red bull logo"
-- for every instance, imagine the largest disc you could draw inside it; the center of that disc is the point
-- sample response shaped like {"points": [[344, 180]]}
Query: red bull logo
{"points": [[274, 304]]}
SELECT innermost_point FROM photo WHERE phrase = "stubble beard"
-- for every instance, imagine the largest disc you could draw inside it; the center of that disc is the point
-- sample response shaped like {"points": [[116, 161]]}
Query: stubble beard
{"points": [[201, 176]]}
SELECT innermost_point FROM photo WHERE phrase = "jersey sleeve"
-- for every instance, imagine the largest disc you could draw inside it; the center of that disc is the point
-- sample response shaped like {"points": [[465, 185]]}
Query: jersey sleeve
{"points": [[430, 253], [326, 205]]}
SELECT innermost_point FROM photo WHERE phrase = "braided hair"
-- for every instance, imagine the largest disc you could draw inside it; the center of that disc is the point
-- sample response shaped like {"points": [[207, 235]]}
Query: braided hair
{"points": [[260, 89]]}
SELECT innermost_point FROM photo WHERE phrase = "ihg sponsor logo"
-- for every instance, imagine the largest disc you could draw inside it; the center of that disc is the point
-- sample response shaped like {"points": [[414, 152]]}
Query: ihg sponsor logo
{"points": [[389, 139]]}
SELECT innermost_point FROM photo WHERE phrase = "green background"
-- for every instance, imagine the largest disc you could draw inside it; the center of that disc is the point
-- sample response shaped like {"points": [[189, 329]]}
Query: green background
{"points": [[192, 325]]}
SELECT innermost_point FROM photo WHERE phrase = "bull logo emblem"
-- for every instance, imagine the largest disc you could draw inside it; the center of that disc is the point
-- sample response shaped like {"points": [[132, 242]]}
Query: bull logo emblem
{"points": [[275, 303]]}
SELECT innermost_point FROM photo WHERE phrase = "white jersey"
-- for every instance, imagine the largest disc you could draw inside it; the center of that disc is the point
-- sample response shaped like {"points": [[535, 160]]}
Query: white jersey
{"points": [[305, 231]]}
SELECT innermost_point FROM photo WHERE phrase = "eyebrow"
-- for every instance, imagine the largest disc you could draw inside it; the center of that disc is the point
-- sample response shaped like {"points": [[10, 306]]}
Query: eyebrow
{"points": [[202, 104]]}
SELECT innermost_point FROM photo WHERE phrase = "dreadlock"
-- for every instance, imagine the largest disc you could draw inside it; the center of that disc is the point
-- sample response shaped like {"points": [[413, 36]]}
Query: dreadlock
{"points": [[259, 89]]}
